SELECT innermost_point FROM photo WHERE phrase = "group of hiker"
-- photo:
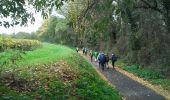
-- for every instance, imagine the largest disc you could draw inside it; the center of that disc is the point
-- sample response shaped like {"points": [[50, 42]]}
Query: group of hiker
{"points": [[101, 58]]}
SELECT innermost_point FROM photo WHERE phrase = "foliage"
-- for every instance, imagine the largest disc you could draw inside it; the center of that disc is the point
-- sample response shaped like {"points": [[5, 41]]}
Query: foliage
{"points": [[49, 31], [137, 31], [24, 35], [18, 44], [165, 83], [10, 57], [61, 74], [91, 20], [156, 78], [19, 10], [5, 43], [141, 72], [56, 30], [144, 73], [143, 26]]}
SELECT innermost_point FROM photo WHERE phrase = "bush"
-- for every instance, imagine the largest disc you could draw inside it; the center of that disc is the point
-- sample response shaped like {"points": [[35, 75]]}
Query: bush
{"points": [[18, 44], [26, 45], [144, 73]]}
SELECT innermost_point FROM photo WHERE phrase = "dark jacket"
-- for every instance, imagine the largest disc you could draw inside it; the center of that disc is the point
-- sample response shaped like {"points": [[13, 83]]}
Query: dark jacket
{"points": [[102, 58], [107, 58], [113, 58]]}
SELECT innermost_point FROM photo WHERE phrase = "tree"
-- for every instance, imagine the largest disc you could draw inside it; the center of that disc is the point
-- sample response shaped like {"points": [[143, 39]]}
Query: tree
{"points": [[56, 30], [24, 35], [91, 19], [137, 30], [19, 10], [146, 25]]}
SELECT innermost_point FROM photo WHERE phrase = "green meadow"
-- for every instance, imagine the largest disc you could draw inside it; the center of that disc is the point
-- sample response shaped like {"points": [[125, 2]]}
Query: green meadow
{"points": [[53, 72]]}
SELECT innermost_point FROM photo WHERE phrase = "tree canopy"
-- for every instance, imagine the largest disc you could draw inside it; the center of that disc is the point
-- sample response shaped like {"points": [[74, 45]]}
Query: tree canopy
{"points": [[21, 11]]}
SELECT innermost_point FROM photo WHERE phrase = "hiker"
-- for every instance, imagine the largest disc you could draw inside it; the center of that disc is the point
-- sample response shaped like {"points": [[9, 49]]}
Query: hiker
{"points": [[98, 59], [113, 58], [95, 54], [91, 55], [102, 60], [107, 61], [85, 51], [77, 49]]}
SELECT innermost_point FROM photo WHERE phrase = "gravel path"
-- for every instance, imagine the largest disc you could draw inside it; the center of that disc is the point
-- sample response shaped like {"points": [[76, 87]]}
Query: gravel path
{"points": [[130, 89]]}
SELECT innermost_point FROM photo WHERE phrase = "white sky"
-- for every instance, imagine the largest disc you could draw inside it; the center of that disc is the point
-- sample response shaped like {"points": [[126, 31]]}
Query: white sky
{"points": [[30, 28]]}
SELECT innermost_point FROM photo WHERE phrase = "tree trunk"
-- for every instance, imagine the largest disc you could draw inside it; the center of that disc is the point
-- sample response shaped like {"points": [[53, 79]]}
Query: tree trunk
{"points": [[166, 8]]}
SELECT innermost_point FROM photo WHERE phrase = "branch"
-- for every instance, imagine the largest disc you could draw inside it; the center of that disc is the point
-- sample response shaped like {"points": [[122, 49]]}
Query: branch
{"points": [[86, 10], [90, 6]]}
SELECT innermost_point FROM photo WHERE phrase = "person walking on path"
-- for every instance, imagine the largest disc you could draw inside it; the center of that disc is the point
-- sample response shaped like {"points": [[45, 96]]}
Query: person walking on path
{"points": [[107, 61], [102, 60], [113, 58], [85, 51], [77, 49], [91, 55], [95, 54], [98, 59]]}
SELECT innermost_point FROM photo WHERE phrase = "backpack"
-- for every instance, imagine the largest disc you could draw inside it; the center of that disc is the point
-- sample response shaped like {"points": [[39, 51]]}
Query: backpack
{"points": [[114, 58], [102, 58], [107, 58]]}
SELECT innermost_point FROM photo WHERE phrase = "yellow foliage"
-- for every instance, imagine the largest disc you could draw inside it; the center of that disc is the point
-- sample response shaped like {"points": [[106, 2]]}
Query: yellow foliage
{"points": [[19, 44]]}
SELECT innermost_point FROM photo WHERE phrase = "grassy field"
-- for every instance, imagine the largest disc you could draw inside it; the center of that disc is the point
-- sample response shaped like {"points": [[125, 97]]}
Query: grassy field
{"points": [[54, 72], [147, 74]]}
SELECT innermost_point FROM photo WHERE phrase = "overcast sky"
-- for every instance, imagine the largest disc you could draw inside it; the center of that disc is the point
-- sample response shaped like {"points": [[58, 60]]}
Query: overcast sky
{"points": [[30, 28]]}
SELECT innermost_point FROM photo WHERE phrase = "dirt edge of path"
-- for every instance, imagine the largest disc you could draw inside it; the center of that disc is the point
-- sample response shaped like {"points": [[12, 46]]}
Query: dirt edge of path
{"points": [[156, 88]]}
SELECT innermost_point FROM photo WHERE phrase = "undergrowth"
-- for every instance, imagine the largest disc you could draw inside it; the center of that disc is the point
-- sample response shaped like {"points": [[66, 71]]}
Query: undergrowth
{"points": [[147, 74]]}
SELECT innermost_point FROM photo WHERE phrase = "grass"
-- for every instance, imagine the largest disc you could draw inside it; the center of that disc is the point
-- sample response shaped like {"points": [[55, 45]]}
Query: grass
{"points": [[48, 54], [147, 74], [54, 72]]}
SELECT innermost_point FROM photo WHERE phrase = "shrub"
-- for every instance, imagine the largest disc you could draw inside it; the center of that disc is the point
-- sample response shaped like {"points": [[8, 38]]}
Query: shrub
{"points": [[18, 44], [144, 73]]}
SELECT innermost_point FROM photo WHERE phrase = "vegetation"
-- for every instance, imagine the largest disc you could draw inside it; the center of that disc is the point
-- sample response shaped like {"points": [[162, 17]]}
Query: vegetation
{"points": [[24, 35], [54, 72], [137, 31], [156, 78], [19, 10], [54, 30], [18, 44], [142, 42], [136, 28]]}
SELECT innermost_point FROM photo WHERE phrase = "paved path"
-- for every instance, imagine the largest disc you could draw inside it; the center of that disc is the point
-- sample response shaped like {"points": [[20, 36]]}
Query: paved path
{"points": [[130, 89]]}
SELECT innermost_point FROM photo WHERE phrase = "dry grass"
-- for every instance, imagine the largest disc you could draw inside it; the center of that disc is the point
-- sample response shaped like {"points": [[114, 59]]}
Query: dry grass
{"points": [[59, 70]]}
